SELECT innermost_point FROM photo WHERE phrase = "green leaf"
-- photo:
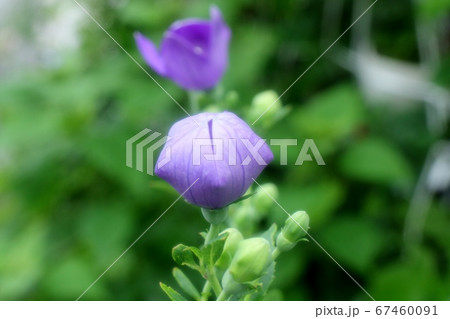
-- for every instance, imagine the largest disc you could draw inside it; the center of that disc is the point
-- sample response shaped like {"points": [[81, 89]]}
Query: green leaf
{"points": [[248, 63], [243, 198], [21, 257], [413, 277], [264, 282], [172, 293], [212, 251], [376, 161], [184, 256], [185, 284], [76, 273], [355, 242], [269, 235], [433, 9], [322, 198], [328, 118]]}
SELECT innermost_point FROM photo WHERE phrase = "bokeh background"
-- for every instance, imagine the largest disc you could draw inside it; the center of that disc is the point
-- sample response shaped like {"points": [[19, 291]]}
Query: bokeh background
{"points": [[376, 105]]}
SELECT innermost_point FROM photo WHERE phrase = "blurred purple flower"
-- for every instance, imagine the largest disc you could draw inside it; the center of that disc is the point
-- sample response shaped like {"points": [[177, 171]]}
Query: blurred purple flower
{"points": [[194, 52], [218, 149]]}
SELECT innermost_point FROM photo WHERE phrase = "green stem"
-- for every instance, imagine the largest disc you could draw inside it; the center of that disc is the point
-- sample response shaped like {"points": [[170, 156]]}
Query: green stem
{"points": [[205, 291], [223, 296], [218, 93], [212, 234], [212, 278], [193, 101], [214, 230]]}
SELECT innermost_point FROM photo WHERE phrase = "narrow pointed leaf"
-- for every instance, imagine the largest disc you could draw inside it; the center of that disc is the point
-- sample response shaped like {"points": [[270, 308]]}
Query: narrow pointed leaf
{"points": [[185, 284], [243, 198], [172, 293]]}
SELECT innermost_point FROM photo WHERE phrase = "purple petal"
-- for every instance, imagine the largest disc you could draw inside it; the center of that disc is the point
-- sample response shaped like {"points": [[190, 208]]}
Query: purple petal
{"points": [[196, 51], [193, 33], [220, 38], [150, 53], [186, 52], [220, 181]]}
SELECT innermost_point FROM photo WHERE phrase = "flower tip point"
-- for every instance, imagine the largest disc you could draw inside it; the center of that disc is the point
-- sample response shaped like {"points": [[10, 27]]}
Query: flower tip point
{"points": [[215, 13]]}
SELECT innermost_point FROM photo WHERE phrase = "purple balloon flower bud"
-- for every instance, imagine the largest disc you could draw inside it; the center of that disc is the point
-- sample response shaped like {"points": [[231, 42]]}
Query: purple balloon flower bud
{"points": [[218, 149], [194, 52]]}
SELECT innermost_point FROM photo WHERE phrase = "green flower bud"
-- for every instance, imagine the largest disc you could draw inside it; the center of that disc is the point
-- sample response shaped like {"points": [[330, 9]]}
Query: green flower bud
{"points": [[295, 228], [231, 98], [213, 108], [230, 247], [244, 219], [266, 99], [283, 244], [262, 201], [251, 259], [264, 103]]}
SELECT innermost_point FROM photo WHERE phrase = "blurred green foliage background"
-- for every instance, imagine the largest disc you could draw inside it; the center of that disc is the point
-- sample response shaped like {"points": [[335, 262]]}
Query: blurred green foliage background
{"points": [[69, 206]]}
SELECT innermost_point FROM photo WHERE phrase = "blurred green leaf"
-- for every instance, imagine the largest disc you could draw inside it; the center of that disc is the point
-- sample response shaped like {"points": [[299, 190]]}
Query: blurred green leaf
{"points": [[432, 9], [319, 199], [150, 15], [413, 278], [70, 277], [375, 160], [185, 284], [21, 263], [172, 293], [353, 241], [106, 228], [246, 62], [329, 117]]}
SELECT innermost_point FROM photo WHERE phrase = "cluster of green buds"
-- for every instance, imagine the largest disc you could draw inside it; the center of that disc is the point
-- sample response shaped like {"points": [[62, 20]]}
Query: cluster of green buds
{"points": [[248, 260], [235, 267], [245, 262]]}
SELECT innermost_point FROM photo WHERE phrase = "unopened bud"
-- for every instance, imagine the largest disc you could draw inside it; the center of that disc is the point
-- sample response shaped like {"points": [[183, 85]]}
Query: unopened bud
{"points": [[231, 99], [267, 103], [251, 259], [295, 228], [244, 219], [264, 197], [231, 244]]}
